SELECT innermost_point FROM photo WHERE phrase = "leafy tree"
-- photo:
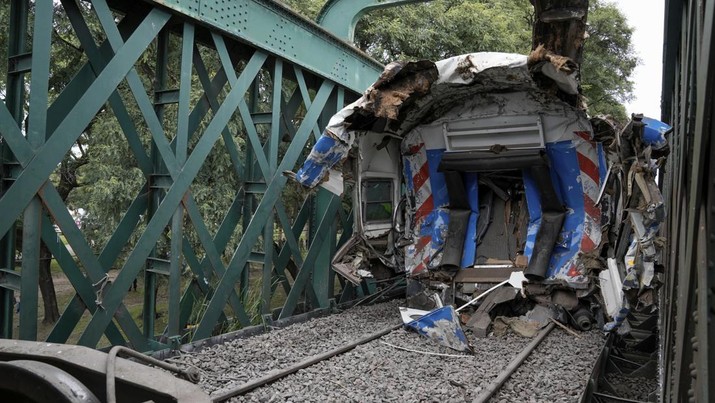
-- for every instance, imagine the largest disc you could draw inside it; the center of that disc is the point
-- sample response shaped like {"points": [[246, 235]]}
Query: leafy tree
{"points": [[443, 28], [609, 61]]}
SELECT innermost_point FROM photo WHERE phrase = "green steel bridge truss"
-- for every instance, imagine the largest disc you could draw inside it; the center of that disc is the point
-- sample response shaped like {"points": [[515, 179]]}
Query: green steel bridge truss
{"points": [[266, 52]]}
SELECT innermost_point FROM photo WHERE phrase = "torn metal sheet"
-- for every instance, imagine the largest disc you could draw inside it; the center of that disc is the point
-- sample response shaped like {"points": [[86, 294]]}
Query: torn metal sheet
{"points": [[328, 151], [442, 325], [411, 314], [643, 207]]}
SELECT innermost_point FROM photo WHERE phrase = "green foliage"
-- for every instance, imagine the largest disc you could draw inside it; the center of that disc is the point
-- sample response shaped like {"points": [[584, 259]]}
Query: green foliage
{"points": [[443, 28], [307, 8], [609, 61]]}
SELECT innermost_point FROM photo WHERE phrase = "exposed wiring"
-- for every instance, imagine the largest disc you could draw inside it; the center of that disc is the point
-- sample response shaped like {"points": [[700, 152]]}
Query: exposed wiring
{"points": [[425, 352]]}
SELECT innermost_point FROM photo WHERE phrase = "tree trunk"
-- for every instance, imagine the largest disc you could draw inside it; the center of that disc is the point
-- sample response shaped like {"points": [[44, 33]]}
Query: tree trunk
{"points": [[47, 287], [560, 27]]}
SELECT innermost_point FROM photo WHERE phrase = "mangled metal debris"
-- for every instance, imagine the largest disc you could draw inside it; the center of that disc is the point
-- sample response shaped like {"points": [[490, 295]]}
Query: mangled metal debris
{"points": [[442, 325], [471, 168]]}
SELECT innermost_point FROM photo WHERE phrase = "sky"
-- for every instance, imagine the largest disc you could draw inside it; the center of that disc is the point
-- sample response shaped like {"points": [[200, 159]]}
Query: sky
{"points": [[646, 16]]}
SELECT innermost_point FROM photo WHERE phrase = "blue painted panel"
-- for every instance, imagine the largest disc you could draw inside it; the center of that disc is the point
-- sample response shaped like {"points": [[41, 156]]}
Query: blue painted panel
{"points": [[437, 182], [471, 184], [533, 204], [565, 175], [435, 225], [566, 170], [442, 325], [407, 175], [654, 133], [469, 255], [326, 152]]}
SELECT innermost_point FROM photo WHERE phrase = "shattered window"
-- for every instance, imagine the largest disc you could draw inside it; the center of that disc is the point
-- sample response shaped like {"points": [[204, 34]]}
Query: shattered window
{"points": [[377, 200]]}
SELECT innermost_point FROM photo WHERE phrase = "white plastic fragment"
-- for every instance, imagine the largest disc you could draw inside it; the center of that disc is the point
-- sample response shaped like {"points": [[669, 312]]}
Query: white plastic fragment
{"points": [[611, 287]]}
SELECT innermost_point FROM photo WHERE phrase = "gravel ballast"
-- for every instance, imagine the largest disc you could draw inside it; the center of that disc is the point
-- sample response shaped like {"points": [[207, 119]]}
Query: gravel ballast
{"points": [[377, 371]]}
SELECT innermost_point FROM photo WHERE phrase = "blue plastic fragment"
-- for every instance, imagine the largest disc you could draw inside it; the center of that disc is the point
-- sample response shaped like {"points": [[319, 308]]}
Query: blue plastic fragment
{"points": [[654, 133], [442, 325]]}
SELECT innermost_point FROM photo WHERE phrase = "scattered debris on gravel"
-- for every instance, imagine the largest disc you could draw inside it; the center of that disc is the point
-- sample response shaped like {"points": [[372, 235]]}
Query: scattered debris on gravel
{"points": [[401, 366]]}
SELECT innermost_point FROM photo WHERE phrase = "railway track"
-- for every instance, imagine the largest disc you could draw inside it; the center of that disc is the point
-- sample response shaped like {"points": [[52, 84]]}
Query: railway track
{"points": [[364, 354]]}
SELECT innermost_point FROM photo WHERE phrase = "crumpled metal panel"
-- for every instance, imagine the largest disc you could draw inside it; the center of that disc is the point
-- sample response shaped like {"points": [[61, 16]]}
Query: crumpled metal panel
{"points": [[645, 212], [576, 179], [327, 152], [427, 198], [654, 133], [408, 94]]}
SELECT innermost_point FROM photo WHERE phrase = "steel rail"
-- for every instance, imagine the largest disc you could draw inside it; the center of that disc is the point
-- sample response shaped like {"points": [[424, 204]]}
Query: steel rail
{"points": [[266, 379], [515, 363]]}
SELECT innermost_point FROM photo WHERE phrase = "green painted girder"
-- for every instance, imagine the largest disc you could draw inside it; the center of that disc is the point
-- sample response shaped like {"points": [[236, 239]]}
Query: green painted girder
{"points": [[15, 100], [322, 235], [47, 157], [23, 150], [237, 264], [32, 217], [223, 110], [274, 28], [341, 16], [96, 84], [172, 199], [162, 145]]}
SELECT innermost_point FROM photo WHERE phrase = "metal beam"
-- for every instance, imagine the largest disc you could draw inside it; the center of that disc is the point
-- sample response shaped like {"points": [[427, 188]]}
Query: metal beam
{"points": [[252, 131], [276, 29], [237, 264], [341, 16]]}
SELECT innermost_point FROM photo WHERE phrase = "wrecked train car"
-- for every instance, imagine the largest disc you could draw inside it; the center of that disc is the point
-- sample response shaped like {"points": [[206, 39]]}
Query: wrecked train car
{"points": [[469, 168]]}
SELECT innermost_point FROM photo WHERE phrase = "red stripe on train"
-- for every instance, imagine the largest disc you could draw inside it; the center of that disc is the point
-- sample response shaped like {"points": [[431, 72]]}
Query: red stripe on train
{"points": [[420, 177], [426, 207], [588, 167], [587, 244], [584, 135], [591, 209]]}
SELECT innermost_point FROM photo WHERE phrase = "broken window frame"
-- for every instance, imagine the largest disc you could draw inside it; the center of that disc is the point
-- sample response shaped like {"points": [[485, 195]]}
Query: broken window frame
{"points": [[365, 201]]}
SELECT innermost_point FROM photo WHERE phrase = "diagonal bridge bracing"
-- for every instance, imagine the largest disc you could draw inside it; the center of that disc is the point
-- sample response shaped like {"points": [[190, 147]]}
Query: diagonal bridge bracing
{"points": [[238, 78]]}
